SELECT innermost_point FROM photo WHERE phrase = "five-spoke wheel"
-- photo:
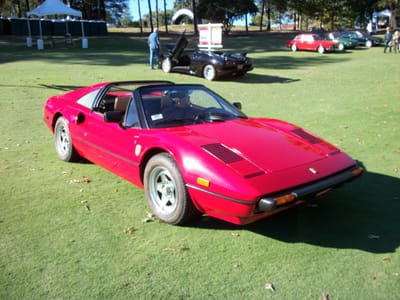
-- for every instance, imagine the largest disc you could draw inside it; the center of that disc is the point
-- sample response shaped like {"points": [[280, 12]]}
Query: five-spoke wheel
{"points": [[209, 72], [167, 65], [166, 191], [62, 141]]}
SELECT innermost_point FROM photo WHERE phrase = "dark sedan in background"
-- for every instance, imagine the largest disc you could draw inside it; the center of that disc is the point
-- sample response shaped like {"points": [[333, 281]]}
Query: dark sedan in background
{"points": [[363, 38]]}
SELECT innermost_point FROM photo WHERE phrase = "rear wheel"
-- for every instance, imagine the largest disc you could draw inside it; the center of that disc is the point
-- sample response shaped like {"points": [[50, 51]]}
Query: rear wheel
{"points": [[368, 44], [294, 48], [166, 192], [209, 72], [63, 143]]}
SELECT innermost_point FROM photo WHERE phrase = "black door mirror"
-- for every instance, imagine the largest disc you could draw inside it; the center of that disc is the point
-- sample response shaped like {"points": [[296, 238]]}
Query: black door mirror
{"points": [[238, 105]]}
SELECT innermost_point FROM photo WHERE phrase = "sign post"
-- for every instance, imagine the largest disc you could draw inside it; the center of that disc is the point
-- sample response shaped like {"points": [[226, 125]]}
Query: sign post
{"points": [[210, 35]]}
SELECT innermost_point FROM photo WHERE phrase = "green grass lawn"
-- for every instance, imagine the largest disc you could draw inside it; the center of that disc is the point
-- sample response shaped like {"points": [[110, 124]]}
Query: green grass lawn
{"points": [[76, 231]]}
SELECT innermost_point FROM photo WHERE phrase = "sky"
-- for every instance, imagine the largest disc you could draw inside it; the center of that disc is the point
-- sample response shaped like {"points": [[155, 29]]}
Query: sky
{"points": [[144, 7]]}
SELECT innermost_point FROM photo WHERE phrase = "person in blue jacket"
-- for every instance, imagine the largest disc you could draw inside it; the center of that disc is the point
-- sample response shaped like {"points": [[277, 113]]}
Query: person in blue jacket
{"points": [[154, 47]]}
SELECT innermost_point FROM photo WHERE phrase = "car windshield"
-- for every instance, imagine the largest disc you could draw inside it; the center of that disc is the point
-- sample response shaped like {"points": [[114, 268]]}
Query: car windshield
{"points": [[359, 34], [334, 35], [180, 105]]}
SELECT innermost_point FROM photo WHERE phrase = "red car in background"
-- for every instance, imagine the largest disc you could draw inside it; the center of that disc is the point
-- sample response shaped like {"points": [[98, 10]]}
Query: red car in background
{"points": [[312, 42], [194, 152]]}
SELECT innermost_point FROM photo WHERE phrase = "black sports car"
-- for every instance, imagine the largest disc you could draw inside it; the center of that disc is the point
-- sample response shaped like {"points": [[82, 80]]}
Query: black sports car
{"points": [[209, 64], [363, 38]]}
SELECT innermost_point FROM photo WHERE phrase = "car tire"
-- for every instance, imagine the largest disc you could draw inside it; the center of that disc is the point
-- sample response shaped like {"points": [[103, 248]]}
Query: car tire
{"points": [[209, 72], [165, 190], [293, 48], [341, 47], [321, 49], [63, 142], [368, 44], [167, 65]]}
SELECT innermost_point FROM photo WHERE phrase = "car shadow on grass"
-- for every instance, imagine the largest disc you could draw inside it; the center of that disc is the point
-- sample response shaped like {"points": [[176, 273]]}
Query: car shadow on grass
{"points": [[363, 215], [260, 78], [61, 88]]}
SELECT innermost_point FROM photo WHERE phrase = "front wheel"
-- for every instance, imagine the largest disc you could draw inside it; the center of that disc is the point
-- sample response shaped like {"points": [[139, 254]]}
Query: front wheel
{"points": [[167, 65], [63, 142], [321, 49], [209, 72], [341, 47], [294, 48], [166, 192]]}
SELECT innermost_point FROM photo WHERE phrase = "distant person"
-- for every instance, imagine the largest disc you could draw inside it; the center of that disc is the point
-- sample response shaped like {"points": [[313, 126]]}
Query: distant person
{"points": [[388, 40], [396, 41], [154, 47], [369, 27]]}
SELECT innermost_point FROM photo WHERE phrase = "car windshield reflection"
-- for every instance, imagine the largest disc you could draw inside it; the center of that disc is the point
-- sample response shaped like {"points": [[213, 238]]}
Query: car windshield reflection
{"points": [[182, 105]]}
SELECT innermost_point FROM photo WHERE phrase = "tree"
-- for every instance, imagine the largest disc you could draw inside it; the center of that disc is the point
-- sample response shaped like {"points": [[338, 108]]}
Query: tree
{"points": [[151, 16], [165, 16], [359, 11], [115, 10], [140, 17], [194, 9], [262, 3], [394, 6], [225, 11], [178, 4]]}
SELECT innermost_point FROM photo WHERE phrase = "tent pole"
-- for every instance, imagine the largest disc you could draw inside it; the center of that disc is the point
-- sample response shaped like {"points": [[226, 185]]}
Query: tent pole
{"points": [[40, 44], [29, 37], [84, 39]]}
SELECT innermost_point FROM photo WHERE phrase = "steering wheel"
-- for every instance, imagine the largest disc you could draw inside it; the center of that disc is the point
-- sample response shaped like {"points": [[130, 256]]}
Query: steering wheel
{"points": [[210, 114]]}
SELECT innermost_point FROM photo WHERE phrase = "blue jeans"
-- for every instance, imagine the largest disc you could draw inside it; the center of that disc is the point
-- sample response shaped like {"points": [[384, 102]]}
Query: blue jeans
{"points": [[154, 52]]}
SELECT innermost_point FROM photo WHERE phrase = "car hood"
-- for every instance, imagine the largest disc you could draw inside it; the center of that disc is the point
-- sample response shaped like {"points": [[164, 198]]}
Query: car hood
{"points": [[267, 144]]}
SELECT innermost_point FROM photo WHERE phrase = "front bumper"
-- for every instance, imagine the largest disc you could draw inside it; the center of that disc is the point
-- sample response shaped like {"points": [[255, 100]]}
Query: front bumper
{"points": [[314, 189]]}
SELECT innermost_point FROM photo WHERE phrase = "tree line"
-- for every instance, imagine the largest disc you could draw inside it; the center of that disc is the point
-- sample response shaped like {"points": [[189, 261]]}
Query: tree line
{"points": [[326, 13]]}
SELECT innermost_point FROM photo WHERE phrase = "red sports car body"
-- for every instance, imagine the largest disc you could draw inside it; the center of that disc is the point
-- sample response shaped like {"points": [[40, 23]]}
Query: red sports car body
{"points": [[312, 42], [193, 152]]}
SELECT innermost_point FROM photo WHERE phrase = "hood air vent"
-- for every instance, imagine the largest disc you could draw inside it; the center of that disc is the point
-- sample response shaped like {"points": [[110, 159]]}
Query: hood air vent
{"points": [[223, 153], [305, 135]]}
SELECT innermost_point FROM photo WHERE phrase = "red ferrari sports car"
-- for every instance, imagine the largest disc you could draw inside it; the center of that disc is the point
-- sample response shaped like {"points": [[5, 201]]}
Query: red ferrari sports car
{"points": [[312, 42], [194, 152]]}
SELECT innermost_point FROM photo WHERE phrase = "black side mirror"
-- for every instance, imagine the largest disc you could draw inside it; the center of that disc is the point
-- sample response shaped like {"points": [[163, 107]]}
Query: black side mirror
{"points": [[238, 105], [113, 116]]}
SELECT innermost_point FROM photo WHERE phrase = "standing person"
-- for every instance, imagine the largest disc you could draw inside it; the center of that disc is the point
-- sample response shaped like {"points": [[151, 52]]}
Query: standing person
{"points": [[154, 47], [369, 27], [396, 41], [388, 40]]}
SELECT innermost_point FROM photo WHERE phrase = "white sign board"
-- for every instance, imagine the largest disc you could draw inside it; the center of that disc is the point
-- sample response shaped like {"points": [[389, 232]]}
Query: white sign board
{"points": [[210, 35]]}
